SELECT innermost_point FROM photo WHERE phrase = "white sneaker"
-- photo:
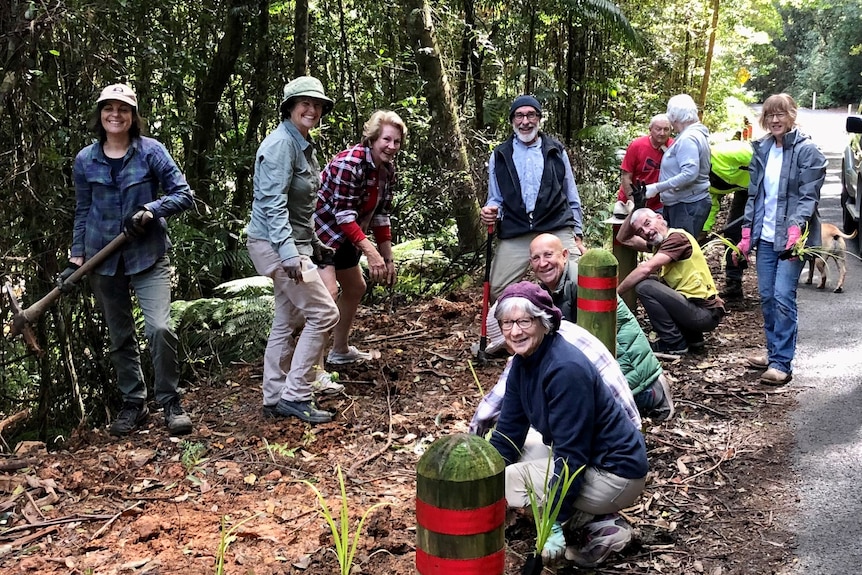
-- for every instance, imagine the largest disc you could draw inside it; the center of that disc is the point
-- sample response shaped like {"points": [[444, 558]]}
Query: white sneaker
{"points": [[353, 355], [324, 385]]}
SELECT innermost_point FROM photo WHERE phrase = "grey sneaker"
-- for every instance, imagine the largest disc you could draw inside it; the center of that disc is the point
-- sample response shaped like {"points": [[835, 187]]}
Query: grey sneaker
{"points": [[177, 420], [353, 355], [603, 536], [130, 418], [664, 409], [324, 385], [305, 410]]}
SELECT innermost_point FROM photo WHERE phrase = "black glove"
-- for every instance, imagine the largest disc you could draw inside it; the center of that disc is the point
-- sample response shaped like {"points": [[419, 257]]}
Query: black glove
{"points": [[135, 224], [322, 255], [63, 283], [639, 194]]}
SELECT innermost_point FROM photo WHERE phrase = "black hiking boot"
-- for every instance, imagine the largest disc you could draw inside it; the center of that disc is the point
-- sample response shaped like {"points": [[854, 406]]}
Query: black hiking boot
{"points": [[732, 290], [177, 420], [130, 418]]}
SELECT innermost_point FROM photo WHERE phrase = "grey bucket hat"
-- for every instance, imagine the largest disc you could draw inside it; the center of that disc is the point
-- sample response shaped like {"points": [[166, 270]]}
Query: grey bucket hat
{"points": [[309, 87]]}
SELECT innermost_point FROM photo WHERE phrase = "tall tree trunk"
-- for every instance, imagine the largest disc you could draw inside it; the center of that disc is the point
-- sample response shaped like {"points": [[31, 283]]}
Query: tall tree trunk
{"points": [[570, 70], [704, 85], [531, 46], [300, 39], [257, 92], [476, 57], [208, 97], [345, 47], [450, 151]]}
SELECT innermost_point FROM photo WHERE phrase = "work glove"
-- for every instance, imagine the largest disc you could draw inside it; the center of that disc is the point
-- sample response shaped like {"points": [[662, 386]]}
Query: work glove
{"points": [[555, 546], [63, 283], [793, 235], [639, 194], [322, 255], [135, 225], [651, 191], [744, 246], [293, 268]]}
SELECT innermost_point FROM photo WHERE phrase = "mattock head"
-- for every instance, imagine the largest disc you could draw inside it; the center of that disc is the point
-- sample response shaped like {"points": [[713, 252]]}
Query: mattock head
{"points": [[20, 324]]}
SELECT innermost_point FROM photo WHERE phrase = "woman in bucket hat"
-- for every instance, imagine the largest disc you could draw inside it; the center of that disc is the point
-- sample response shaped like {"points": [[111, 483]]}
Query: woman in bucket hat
{"points": [[117, 181], [283, 246]]}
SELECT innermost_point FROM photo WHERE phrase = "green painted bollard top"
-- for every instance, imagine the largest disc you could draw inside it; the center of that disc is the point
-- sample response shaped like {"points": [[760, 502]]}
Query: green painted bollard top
{"points": [[460, 508]]}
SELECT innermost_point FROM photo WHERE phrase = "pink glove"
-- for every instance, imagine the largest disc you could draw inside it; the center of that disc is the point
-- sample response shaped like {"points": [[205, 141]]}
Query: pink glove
{"points": [[793, 234], [744, 246]]}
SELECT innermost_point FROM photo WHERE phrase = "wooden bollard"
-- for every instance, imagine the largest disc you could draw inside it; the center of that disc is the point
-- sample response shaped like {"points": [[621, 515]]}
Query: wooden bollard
{"points": [[460, 508], [597, 296], [627, 261]]}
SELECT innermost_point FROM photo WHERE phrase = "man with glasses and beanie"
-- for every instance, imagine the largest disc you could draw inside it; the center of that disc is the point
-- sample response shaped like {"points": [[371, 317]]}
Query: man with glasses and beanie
{"points": [[531, 190]]}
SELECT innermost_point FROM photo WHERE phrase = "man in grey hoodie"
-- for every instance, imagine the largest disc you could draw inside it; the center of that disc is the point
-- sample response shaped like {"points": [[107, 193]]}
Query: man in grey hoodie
{"points": [[684, 178]]}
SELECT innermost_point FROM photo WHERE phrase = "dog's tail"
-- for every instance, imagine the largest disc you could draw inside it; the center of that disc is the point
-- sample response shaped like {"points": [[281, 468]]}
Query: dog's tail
{"points": [[840, 234]]}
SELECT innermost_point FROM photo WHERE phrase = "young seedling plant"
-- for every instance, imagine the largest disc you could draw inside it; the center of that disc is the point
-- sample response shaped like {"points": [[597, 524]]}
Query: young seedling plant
{"points": [[228, 536], [345, 549], [545, 512]]}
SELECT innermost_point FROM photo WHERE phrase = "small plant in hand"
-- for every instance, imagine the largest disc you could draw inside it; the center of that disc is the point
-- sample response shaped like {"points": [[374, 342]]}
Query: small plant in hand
{"points": [[345, 549], [800, 250], [545, 512], [730, 247]]}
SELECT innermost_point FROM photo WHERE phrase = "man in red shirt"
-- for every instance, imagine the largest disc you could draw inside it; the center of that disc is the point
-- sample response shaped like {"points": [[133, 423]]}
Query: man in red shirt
{"points": [[642, 162]]}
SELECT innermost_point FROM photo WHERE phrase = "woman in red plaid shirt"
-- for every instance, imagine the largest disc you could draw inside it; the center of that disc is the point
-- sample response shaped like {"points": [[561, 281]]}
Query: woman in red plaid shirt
{"points": [[355, 197]]}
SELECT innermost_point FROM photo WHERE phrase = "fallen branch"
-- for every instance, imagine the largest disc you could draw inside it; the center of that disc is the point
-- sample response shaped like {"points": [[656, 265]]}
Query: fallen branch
{"points": [[14, 420], [59, 521], [412, 332], [26, 540], [13, 464], [383, 449], [110, 521]]}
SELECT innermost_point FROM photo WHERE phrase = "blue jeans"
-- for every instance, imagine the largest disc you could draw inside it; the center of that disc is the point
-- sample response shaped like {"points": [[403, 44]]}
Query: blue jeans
{"points": [[777, 281], [689, 217], [153, 290]]}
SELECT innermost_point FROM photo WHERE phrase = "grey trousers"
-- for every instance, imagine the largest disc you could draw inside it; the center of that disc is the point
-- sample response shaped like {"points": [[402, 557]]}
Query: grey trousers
{"points": [[153, 290]]}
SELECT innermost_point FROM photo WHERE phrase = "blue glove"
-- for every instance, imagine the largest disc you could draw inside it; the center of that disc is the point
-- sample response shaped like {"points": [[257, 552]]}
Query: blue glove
{"points": [[555, 546]]}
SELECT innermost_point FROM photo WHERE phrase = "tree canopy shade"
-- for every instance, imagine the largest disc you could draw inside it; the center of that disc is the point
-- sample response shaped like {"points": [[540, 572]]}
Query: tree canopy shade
{"points": [[209, 79]]}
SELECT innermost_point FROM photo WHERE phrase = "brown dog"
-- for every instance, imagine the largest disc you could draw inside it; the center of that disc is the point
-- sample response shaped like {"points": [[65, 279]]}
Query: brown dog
{"points": [[834, 248]]}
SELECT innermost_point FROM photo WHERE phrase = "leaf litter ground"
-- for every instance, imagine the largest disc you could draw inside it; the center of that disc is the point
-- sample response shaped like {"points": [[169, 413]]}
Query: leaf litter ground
{"points": [[718, 493]]}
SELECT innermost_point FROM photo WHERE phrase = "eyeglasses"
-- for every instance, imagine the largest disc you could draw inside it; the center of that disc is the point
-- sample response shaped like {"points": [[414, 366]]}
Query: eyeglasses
{"points": [[528, 116], [777, 115], [523, 323]]}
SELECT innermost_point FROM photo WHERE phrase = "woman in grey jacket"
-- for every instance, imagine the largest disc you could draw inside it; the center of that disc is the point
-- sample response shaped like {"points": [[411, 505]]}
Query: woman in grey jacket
{"points": [[787, 172], [684, 177]]}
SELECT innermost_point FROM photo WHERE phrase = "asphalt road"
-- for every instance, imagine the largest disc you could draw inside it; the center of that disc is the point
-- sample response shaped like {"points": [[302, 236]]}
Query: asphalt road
{"points": [[827, 458]]}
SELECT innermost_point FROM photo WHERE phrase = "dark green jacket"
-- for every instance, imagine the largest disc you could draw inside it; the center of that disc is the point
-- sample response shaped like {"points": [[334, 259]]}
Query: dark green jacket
{"points": [[634, 354]]}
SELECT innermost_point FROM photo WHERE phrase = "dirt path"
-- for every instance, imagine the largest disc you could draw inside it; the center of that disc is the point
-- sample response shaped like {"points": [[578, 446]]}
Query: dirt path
{"points": [[152, 504]]}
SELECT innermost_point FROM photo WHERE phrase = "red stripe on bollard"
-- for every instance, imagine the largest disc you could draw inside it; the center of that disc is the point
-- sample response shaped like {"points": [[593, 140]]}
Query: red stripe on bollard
{"points": [[460, 522], [597, 305], [430, 565], [597, 283]]}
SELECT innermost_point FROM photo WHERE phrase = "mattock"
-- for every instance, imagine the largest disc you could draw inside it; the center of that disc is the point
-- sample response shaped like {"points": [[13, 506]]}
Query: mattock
{"points": [[23, 319]]}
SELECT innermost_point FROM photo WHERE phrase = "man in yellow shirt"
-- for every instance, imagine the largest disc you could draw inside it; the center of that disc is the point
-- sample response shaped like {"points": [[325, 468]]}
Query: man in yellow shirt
{"points": [[682, 302]]}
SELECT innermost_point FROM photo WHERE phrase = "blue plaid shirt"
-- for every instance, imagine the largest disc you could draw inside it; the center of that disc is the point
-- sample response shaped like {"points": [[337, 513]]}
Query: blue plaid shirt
{"points": [[103, 202]]}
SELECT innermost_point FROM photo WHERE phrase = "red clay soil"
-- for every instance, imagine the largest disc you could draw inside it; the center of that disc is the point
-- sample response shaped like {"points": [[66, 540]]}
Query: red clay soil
{"points": [[154, 504]]}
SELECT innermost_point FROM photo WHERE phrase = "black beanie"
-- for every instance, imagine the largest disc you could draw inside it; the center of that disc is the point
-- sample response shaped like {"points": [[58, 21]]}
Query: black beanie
{"points": [[525, 100]]}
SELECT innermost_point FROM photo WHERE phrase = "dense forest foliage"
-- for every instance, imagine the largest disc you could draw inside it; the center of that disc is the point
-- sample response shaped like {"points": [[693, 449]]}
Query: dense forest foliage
{"points": [[209, 78]]}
